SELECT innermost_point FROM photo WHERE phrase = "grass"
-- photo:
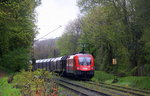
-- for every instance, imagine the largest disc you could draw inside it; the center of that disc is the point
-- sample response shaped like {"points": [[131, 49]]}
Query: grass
{"points": [[141, 82], [7, 89], [28, 83], [102, 76]]}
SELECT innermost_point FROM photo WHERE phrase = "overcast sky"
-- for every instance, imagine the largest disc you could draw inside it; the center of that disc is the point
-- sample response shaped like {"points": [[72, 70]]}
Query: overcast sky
{"points": [[53, 13]]}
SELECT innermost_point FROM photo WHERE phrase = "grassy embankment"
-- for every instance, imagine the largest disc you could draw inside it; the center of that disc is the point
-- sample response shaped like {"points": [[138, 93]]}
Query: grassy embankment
{"points": [[28, 83], [142, 82], [7, 89]]}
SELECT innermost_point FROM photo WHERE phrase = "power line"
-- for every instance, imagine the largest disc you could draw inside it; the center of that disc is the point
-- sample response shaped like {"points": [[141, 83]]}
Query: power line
{"points": [[49, 33]]}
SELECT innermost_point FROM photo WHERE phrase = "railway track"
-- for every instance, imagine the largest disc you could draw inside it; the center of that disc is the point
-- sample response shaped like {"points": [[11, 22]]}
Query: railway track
{"points": [[80, 89], [89, 88], [133, 91]]}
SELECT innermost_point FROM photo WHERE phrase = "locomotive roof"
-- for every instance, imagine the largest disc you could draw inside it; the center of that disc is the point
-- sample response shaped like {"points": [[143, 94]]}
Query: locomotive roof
{"points": [[82, 54], [71, 57]]}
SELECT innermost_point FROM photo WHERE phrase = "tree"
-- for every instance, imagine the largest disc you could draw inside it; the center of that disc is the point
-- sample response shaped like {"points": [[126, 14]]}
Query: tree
{"points": [[68, 42], [46, 49], [17, 30], [117, 24]]}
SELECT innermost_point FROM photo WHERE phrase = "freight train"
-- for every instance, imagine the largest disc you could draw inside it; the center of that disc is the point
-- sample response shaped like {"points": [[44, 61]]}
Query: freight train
{"points": [[80, 65]]}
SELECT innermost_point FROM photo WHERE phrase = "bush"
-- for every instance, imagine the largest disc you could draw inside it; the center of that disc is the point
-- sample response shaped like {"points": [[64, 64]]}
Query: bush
{"points": [[136, 82], [7, 89], [15, 60], [102, 76], [35, 83], [146, 69], [141, 82]]}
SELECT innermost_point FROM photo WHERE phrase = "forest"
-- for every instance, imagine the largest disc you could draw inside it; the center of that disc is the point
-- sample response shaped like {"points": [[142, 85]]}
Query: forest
{"points": [[112, 29], [17, 32], [108, 29]]}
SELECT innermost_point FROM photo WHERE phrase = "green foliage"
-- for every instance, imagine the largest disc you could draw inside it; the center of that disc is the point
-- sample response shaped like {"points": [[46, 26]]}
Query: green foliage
{"points": [[16, 61], [101, 76], [103, 33], [37, 82], [117, 29], [68, 43], [28, 83], [17, 31], [141, 82], [7, 89], [66, 46], [136, 82], [146, 69], [86, 5]]}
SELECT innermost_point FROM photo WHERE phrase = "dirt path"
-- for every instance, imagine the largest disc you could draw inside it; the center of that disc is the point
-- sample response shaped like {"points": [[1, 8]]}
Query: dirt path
{"points": [[2, 74]]}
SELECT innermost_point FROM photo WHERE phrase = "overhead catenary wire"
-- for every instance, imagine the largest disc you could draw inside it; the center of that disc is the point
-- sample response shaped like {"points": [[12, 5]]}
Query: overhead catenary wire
{"points": [[33, 59], [48, 33]]}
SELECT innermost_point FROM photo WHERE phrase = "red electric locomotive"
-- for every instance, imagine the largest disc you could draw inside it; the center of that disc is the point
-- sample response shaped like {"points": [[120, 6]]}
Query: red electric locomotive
{"points": [[78, 65]]}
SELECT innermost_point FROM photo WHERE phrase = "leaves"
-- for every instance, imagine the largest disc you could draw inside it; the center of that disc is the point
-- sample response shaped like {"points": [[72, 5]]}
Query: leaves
{"points": [[17, 30], [68, 43], [113, 29], [31, 83], [7, 89]]}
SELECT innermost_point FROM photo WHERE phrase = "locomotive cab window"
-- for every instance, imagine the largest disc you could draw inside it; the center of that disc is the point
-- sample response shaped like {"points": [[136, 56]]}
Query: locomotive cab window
{"points": [[85, 61]]}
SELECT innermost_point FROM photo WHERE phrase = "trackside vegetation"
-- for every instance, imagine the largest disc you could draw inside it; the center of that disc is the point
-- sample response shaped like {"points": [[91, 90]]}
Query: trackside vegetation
{"points": [[17, 32], [102, 76], [112, 29], [7, 89], [107, 29], [140, 82], [28, 83]]}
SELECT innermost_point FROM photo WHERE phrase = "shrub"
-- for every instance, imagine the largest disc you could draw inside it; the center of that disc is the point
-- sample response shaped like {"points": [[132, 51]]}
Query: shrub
{"points": [[38, 82], [141, 82], [135, 81], [7, 89], [15, 60], [102, 76]]}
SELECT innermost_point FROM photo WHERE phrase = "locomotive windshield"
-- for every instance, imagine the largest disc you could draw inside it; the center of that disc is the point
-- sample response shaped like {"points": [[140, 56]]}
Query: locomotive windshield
{"points": [[84, 60]]}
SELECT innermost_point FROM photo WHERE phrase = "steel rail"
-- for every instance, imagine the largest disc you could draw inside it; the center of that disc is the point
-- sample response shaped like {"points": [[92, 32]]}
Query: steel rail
{"points": [[81, 89], [124, 89]]}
